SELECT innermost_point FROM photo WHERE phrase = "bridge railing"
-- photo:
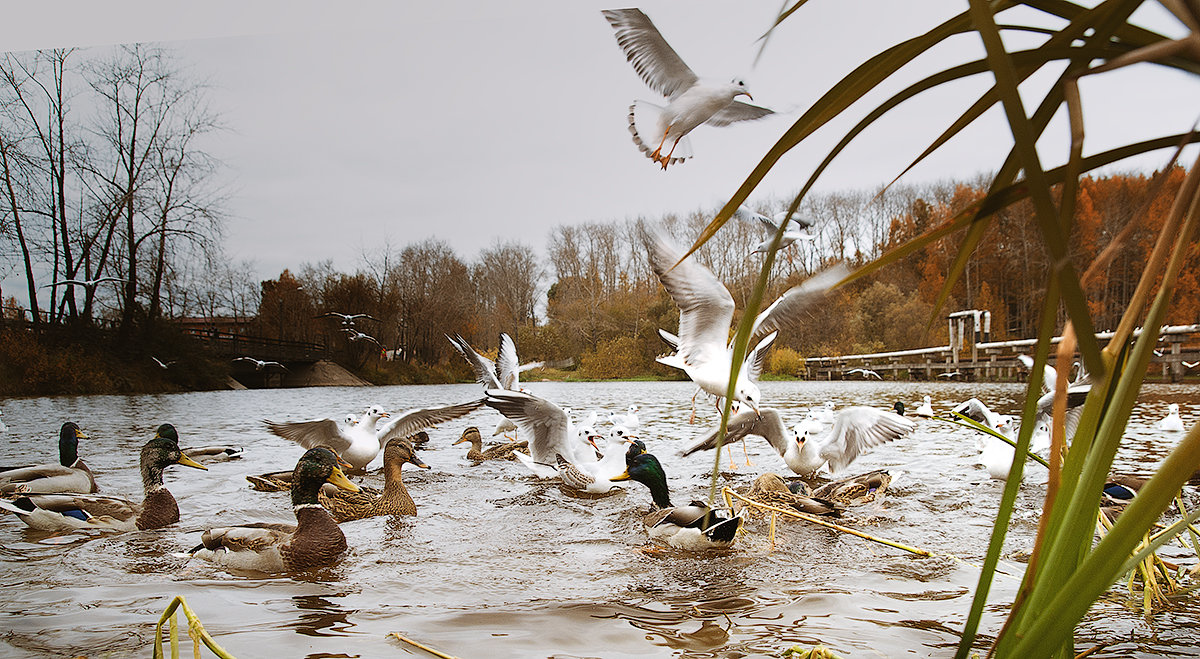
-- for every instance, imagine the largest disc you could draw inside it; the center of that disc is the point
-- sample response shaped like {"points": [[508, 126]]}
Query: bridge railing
{"points": [[231, 344], [995, 359]]}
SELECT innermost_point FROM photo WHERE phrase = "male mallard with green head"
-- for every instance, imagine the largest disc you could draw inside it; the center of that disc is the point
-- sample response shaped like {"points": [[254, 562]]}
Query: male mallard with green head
{"points": [[158, 508], [69, 475], [315, 540], [693, 527], [395, 500]]}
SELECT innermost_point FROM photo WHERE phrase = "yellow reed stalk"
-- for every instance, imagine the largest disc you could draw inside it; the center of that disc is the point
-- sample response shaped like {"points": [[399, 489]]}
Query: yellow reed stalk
{"points": [[195, 630], [817, 520], [426, 648]]}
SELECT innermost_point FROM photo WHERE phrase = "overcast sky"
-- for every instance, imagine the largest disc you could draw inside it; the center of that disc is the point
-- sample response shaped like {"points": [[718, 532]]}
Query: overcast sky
{"points": [[481, 121]]}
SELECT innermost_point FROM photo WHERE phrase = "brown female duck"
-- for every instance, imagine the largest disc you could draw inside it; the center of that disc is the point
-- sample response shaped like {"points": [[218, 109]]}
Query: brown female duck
{"points": [[394, 500]]}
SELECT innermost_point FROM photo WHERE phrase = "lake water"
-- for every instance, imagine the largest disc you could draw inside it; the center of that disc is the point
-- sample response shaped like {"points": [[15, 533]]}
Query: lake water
{"points": [[497, 564]]}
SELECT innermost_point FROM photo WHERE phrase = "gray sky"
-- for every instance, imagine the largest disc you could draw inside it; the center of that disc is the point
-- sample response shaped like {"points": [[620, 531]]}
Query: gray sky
{"points": [[482, 121]]}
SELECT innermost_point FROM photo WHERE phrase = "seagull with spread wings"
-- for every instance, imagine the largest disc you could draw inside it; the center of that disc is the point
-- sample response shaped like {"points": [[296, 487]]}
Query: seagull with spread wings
{"points": [[706, 311], [89, 284], [855, 431], [360, 443], [691, 101]]}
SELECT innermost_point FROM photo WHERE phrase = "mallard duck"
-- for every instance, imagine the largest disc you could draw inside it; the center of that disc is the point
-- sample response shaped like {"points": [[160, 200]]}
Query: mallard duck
{"points": [[772, 490], [214, 452], [54, 512], [693, 527], [314, 541], [499, 452], [394, 500], [856, 490], [69, 475], [855, 430], [359, 444], [1120, 490]]}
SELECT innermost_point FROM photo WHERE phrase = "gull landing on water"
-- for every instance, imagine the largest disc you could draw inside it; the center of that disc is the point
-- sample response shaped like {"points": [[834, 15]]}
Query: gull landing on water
{"points": [[691, 102]]}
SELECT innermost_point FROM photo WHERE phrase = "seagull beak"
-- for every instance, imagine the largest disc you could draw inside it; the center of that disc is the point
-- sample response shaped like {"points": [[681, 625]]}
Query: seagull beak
{"points": [[748, 95]]}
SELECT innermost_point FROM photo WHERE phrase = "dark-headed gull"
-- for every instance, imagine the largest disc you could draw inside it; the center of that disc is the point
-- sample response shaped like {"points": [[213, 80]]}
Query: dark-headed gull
{"points": [[691, 102], [706, 311]]}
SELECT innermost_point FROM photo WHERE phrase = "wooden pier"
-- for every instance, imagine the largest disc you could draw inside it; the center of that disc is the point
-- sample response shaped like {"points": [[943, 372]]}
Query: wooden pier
{"points": [[1178, 354]]}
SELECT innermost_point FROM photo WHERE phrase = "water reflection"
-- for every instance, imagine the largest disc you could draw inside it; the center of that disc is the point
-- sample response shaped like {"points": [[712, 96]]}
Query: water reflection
{"points": [[321, 617]]}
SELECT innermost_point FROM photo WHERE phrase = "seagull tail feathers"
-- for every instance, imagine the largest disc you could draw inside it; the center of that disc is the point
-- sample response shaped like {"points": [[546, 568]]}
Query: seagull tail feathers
{"points": [[643, 125]]}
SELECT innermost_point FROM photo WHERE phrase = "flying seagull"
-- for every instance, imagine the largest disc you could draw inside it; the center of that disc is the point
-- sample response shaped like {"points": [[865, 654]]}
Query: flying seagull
{"points": [[795, 228], [706, 311], [356, 336], [258, 363], [89, 284], [691, 102]]}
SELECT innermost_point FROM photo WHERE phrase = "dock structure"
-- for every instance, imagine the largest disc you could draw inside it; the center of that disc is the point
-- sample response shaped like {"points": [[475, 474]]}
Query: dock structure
{"points": [[1177, 355]]}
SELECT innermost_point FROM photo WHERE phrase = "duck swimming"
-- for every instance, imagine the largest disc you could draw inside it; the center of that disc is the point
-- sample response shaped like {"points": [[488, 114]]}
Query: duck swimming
{"points": [[314, 541], [69, 475], [693, 527], [55, 512]]}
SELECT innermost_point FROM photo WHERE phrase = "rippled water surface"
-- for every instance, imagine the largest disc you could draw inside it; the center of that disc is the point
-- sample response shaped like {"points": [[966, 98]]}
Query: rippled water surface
{"points": [[497, 564]]}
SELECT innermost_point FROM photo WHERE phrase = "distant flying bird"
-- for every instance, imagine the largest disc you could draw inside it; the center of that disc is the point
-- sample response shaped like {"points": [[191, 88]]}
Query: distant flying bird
{"points": [[706, 311], [1190, 365], [356, 336], [951, 374], [347, 318], [866, 373], [795, 229], [690, 101], [161, 364], [89, 284], [258, 363]]}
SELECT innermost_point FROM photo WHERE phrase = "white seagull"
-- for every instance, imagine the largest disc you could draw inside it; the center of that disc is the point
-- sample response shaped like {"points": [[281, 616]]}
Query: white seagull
{"points": [[629, 420], [706, 311], [866, 373], [553, 435], [356, 336], [504, 373], [258, 363], [925, 408], [691, 102], [358, 444], [89, 284], [1171, 422], [795, 229], [855, 431]]}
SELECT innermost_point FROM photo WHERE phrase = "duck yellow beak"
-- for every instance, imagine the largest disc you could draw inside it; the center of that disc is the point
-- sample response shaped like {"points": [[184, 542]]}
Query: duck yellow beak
{"points": [[623, 476], [460, 440], [188, 462], [339, 479], [79, 435]]}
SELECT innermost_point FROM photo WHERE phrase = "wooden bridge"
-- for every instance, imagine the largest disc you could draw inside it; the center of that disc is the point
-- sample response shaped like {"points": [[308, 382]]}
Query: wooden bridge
{"points": [[974, 361]]}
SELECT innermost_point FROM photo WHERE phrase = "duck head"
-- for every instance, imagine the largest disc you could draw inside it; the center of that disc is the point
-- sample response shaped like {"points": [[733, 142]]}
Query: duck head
{"points": [[645, 469], [68, 443], [317, 466]]}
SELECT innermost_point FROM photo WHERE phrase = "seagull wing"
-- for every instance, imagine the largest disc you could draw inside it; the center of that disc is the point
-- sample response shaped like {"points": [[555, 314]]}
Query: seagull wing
{"points": [[737, 111], [311, 434], [767, 423], [538, 418], [507, 364], [786, 311], [743, 213], [485, 370], [859, 429], [705, 305], [407, 424], [757, 358], [652, 57]]}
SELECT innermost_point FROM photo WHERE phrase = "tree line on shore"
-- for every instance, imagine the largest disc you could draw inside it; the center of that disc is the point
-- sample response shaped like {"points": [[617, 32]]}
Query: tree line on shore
{"points": [[122, 201]]}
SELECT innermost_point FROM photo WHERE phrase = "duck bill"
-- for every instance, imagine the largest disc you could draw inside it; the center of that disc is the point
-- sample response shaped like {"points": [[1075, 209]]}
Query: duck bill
{"points": [[417, 463], [623, 476], [79, 435], [460, 441], [188, 462], [339, 479]]}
